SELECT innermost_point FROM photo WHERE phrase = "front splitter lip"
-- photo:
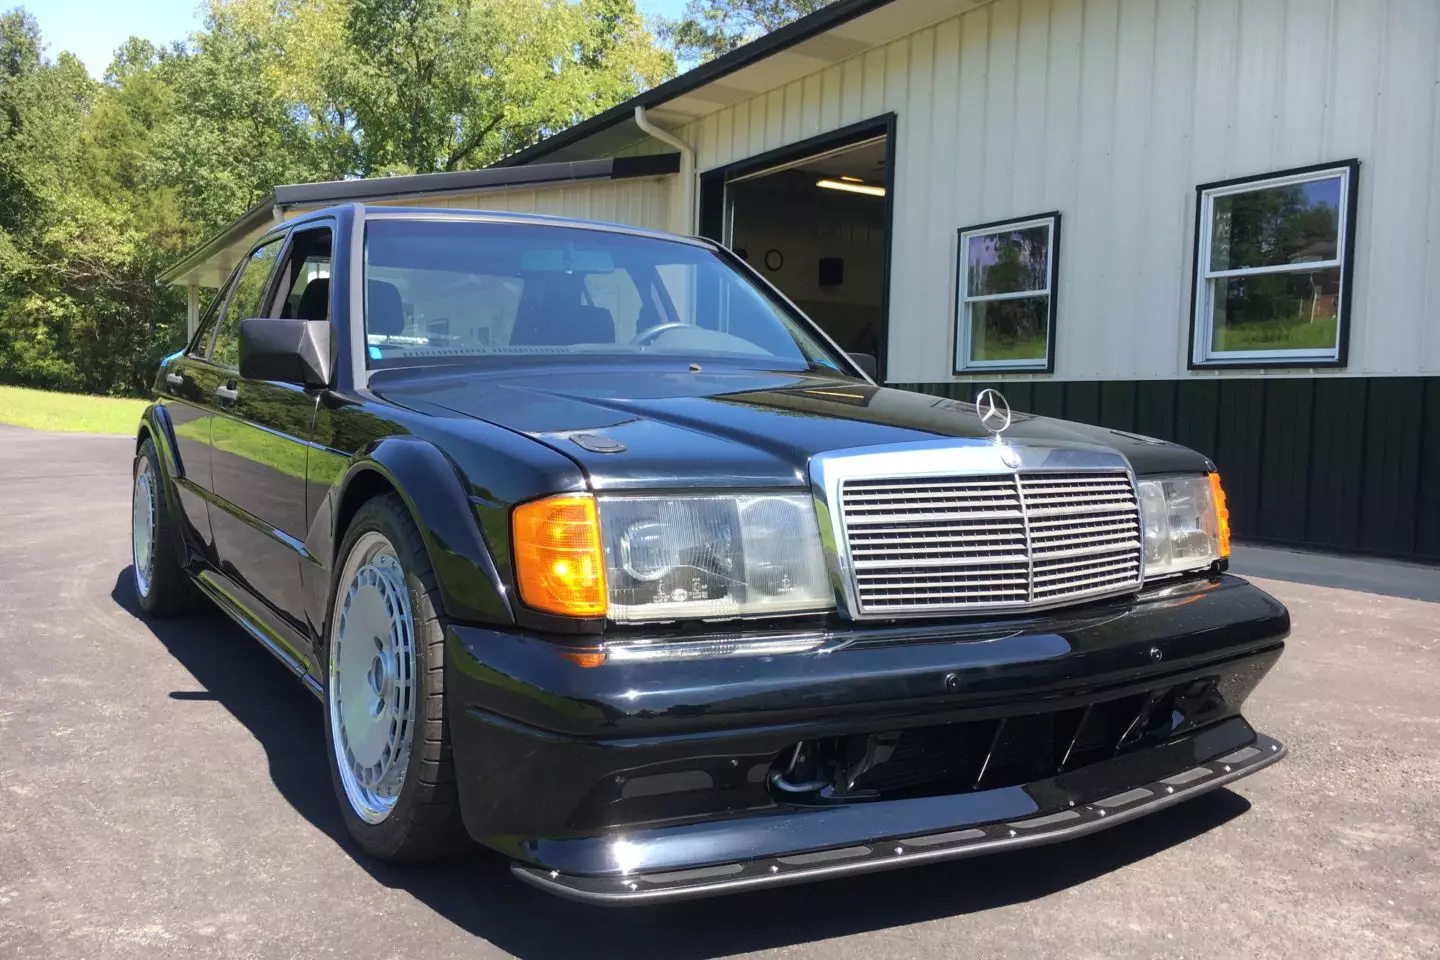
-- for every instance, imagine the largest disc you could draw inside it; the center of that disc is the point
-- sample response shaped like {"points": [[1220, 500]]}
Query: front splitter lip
{"points": [[723, 878]]}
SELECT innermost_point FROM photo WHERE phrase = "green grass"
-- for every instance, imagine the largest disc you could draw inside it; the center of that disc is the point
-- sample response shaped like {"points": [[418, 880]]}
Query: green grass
{"points": [[1288, 333], [1031, 348], [70, 412]]}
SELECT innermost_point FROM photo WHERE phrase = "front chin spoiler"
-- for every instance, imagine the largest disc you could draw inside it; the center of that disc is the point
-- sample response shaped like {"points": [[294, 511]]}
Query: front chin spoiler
{"points": [[716, 879]]}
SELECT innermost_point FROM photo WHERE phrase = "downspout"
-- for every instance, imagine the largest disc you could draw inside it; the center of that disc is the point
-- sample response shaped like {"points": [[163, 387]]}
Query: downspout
{"points": [[687, 167]]}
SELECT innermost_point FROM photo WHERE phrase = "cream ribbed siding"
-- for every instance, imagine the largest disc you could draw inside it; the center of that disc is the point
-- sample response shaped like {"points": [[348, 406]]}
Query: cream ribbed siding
{"points": [[1111, 111], [642, 202]]}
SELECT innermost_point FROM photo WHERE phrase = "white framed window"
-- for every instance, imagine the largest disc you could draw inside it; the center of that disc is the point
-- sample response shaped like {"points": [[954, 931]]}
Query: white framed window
{"points": [[1273, 258], [1005, 295]]}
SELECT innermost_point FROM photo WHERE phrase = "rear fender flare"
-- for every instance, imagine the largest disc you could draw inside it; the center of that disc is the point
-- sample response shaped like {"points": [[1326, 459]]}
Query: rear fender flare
{"points": [[155, 423]]}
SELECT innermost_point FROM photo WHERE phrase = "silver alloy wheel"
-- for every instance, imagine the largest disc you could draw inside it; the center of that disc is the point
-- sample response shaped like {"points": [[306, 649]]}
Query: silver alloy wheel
{"points": [[142, 526], [371, 689]]}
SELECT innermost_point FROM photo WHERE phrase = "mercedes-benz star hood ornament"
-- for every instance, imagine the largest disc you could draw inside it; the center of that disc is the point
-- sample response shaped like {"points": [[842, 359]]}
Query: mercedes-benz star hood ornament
{"points": [[993, 410]]}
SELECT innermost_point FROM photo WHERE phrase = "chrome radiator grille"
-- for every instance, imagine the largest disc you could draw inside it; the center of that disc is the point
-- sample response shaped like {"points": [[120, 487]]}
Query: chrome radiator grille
{"points": [[939, 544]]}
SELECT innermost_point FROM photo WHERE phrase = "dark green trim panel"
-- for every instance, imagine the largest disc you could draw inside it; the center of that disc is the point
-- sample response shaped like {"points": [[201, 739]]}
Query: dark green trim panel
{"points": [[1335, 463]]}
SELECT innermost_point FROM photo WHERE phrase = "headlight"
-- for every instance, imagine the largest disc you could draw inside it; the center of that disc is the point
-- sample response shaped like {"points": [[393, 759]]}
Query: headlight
{"points": [[1187, 526], [670, 558]]}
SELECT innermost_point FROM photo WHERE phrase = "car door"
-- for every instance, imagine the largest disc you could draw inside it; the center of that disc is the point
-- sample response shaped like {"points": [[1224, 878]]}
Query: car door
{"points": [[260, 440], [186, 391]]}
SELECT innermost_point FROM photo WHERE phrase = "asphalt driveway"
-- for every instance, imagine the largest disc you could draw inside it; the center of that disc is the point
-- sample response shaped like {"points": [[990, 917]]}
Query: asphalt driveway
{"points": [[163, 792]]}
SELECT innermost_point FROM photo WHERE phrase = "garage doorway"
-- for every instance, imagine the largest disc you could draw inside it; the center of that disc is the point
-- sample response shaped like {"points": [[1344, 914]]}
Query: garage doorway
{"points": [[814, 219]]}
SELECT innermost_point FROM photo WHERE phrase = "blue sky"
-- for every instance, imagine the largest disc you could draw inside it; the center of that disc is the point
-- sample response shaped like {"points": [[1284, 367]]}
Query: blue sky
{"points": [[92, 29]]}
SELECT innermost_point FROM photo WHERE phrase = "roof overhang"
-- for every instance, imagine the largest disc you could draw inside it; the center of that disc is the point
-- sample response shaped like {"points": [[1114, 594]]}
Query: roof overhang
{"points": [[210, 263], [834, 33]]}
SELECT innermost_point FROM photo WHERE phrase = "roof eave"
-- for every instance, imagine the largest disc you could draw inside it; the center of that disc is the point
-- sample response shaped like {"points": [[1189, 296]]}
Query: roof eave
{"points": [[288, 197], [262, 212], [793, 33]]}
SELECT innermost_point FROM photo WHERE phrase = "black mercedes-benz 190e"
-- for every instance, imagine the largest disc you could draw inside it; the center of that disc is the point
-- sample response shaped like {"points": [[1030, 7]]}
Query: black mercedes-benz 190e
{"points": [[599, 552]]}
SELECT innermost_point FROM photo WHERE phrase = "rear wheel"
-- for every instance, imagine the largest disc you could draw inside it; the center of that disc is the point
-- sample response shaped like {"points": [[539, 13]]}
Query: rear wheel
{"points": [[162, 587], [389, 744]]}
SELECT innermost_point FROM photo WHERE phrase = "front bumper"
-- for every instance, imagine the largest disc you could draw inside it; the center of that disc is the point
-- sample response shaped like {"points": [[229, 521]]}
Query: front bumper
{"points": [[640, 780], [1066, 824]]}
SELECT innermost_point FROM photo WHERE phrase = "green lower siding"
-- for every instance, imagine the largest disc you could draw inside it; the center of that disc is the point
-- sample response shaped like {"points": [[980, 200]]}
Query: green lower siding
{"points": [[1335, 463]]}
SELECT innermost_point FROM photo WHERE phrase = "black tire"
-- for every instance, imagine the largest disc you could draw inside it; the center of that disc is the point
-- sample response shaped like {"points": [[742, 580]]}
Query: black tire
{"points": [[425, 822], [168, 591]]}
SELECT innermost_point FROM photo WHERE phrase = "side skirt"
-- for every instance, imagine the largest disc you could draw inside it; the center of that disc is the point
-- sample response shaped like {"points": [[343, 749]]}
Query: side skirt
{"points": [[225, 598]]}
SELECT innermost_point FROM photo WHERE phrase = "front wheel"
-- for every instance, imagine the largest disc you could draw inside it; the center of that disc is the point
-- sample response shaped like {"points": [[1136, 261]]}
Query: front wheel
{"points": [[388, 740], [162, 587]]}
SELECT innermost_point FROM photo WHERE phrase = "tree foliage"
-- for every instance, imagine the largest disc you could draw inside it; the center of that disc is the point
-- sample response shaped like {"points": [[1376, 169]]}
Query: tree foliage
{"points": [[103, 182], [710, 28]]}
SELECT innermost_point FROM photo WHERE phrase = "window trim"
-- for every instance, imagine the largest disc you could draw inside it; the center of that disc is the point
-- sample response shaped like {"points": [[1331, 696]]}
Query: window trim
{"points": [[962, 363], [1201, 314]]}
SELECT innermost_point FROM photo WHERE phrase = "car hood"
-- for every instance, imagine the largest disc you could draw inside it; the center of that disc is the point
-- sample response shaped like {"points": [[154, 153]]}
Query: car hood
{"points": [[639, 427]]}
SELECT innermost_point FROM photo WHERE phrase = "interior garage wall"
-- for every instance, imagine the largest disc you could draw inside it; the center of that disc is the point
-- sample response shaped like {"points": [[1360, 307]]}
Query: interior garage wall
{"points": [[1340, 463], [1111, 111], [789, 214], [640, 202]]}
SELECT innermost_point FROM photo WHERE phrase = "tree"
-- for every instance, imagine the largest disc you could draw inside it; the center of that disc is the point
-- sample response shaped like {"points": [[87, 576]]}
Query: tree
{"points": [[711, 28], [104, 182], [443, 85], [20, 64], [236, 129]]}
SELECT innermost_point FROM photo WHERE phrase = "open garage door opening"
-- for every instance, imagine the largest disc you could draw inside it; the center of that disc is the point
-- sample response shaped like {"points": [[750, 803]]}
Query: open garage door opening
{"points": [[816, 223]]}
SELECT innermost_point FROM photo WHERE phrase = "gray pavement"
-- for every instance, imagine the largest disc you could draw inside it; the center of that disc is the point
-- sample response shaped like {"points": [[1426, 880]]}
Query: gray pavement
{"points": [[163, 793]]}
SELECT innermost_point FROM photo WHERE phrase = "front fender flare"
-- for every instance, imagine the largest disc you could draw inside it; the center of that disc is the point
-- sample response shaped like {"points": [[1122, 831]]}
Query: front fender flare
{"points": [[471, 588]]}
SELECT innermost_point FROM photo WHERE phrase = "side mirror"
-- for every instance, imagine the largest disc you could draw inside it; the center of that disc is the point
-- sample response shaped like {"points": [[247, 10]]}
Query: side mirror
{"points": [[866, 362], [290, 351]]}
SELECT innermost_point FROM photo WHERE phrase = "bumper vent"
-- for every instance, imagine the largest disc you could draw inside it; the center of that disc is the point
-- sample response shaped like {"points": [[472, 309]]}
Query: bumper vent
{"points": [[942, 544], [985, 754]]}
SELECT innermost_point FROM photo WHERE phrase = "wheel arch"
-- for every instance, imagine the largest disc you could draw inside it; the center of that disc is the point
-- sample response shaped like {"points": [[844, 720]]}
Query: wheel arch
{"points": [[430, 486], [155, 426]]}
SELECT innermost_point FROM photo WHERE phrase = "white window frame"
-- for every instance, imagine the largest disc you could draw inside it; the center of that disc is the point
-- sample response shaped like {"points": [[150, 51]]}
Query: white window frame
{"points": [[963, 300], [1202, 327]]}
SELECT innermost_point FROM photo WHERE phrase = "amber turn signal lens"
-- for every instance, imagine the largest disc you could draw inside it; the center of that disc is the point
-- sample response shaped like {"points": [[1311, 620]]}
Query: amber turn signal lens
{"points": [[559, 564], [1222, 513]]}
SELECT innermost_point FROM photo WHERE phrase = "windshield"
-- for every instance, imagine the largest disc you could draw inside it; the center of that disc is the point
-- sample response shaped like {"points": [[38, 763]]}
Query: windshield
{"points": [[457, 288]]}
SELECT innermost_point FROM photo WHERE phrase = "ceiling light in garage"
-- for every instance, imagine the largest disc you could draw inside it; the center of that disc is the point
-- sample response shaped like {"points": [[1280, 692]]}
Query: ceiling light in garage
{"points": [[851, 187]]}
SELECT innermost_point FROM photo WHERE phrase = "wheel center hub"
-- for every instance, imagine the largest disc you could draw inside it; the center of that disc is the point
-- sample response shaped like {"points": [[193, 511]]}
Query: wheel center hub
{"points": [[377, 675]]}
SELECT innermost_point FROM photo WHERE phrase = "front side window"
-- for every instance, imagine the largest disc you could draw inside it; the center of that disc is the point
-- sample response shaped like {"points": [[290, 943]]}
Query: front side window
{"points": [[1005, 302], [306, 278], [436, 291], [1271, 268], [247, 300]]}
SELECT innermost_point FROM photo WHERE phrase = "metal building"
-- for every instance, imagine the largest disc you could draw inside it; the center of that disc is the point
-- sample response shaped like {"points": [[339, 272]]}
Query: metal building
{"points": [[1250, 254]]}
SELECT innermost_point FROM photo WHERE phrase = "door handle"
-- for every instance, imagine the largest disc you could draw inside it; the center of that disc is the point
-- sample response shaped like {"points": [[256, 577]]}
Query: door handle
{"points": [[175, 379], [226, 394]]}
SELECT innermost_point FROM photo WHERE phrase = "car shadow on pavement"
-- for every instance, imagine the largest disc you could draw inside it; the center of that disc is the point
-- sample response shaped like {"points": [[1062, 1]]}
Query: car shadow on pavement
{"points": [[477, 892]]}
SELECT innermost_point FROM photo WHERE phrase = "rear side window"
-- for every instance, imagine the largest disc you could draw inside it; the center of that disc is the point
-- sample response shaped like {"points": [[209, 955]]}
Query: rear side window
{"points": [[205, 331], [247, 301]]}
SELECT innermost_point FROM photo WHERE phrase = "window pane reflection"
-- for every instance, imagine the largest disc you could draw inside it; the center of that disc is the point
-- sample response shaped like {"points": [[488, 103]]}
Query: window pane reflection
{"points": [[1016, 329], [1276, 311], [1296, 223], [1009, 262]]}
